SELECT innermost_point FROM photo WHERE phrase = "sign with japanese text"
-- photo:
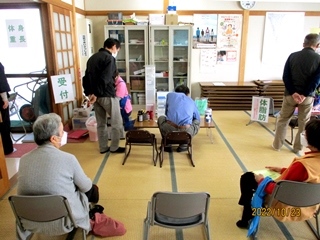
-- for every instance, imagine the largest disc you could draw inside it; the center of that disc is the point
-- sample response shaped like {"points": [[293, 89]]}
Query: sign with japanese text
{"points": [[62, 88], [260, 109], [16, 33], [83, 45]]}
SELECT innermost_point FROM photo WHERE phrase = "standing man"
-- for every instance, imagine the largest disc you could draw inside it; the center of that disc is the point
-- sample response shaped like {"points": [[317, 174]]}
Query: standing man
{"points": [[181, 115], [5, 114], [98, 85], [301, 76]]}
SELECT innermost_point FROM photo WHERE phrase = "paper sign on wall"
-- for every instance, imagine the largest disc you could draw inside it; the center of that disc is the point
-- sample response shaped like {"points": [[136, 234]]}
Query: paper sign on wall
{"points": [[62, 88], [16, 33], [260, 109]]}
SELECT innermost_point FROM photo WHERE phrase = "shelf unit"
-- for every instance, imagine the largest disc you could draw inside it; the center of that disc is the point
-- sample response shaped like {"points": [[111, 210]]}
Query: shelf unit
{"points": [[132, 57], [170, 52]]}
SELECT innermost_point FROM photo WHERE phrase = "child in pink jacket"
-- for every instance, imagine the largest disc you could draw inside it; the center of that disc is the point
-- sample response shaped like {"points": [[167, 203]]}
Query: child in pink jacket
{"points": [[125, 101]]}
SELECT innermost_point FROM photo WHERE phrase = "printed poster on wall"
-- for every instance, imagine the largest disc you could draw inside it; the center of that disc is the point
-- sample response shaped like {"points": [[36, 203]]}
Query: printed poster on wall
{"points": [[207, 60], [283, 34], [62, 88], [226, 56], [229, 31], [205, 30], [16, 33], [260, 109]]}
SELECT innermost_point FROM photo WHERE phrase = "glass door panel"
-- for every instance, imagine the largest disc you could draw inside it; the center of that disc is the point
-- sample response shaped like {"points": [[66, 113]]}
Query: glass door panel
{"points": [[180, 57], [119, 33], [161, 58]]}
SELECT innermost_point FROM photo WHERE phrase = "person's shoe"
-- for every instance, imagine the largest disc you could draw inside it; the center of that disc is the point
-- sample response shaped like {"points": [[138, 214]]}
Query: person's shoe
{"points": [[13, 150], [119, 150], [107, 150], [242, 224], [182, 149], [276, 149]]}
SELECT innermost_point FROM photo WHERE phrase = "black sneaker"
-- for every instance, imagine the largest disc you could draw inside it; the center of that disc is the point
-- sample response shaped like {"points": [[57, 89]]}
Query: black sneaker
{"points": [[243, 224], [108, 149], [182, 149], [119, 150]]}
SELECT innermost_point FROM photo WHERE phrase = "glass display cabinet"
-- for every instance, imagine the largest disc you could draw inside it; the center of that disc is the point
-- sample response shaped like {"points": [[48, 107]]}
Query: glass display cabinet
{"points": [[132, 57], [170, 52]]}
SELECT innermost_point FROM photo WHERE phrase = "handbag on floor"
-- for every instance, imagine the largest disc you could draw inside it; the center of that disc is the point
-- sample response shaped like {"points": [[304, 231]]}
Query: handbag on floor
{"points": [[105, 226]]}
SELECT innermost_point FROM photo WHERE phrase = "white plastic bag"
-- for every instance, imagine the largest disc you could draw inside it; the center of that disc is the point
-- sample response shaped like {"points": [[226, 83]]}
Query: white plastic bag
{"points": [[91, 124]]}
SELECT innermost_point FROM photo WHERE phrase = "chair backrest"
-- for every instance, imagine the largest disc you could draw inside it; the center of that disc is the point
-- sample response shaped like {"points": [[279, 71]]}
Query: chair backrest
{"points": [[177, 137], [43, 208], [297, 194], [180, 208], [139, 136]]}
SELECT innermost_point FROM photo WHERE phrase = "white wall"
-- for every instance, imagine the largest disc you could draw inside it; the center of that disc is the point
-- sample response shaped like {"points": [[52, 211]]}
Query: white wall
{"points": [[254, 70], [125, 5]]}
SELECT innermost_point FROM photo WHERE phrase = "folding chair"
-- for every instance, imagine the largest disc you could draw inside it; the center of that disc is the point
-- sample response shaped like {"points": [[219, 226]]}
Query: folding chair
{"points": [[141, 137], [177, 210], [42, 209], [174, 138], [298, 194]]}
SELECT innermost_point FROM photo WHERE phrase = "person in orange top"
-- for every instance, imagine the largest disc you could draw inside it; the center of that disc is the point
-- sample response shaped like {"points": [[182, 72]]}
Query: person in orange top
{"points": [[302, 169]]}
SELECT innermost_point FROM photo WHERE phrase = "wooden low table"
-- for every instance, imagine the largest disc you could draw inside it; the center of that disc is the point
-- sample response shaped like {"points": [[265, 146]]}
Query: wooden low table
{"points": [[154, 124]]}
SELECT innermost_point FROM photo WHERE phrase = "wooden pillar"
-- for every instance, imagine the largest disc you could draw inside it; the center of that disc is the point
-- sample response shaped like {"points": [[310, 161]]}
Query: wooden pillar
{"points": [[4, 180], [243, 50]]}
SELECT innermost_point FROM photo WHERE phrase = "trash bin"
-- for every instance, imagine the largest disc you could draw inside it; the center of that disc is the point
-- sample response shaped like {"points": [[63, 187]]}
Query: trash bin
{"points": [[91, 125]]}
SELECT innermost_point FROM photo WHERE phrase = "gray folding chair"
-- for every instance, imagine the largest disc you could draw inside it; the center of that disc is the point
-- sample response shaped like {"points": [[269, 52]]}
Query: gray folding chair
{"points": [[178, 210], [42, 209], [298, 194]]}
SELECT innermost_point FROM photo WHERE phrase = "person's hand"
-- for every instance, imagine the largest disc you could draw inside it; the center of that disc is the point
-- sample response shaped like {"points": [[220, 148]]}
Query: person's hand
{"points": [[275, 169], [92, 99], [298, 98], [5, 104], [258, 177]]}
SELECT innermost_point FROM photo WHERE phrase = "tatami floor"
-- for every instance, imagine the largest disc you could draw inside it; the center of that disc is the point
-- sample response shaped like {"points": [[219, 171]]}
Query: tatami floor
{"points": [[125, 190]]}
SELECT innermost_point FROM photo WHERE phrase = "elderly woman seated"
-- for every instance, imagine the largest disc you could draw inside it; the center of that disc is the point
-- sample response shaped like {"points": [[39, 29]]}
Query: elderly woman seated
{"points": [[47, 170], [302, 169]]}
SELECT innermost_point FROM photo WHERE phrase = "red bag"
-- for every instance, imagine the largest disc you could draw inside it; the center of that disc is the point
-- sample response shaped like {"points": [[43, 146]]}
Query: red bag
{"points": [[105, 226]]}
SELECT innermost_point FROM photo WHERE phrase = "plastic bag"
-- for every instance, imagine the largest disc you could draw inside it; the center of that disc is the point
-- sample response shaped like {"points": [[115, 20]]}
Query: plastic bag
{"points": [[91, 124], [202, 105]]}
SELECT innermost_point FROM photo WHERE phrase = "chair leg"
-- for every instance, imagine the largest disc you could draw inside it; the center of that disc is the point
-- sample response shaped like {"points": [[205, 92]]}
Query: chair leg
{"points": [[155, 159], [207, 230], [190, 154], [126, 155], [84, 234], [161, 153], [313, 229], [146, 223]]}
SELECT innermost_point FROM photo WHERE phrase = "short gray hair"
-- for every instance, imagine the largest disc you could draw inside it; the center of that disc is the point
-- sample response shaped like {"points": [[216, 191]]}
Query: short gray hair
{"points": [[45, 126], [311, 40]]}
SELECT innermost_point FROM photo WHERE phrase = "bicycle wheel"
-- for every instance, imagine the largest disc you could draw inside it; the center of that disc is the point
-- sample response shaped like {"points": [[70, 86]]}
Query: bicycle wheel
{"points": [[27, 113]]}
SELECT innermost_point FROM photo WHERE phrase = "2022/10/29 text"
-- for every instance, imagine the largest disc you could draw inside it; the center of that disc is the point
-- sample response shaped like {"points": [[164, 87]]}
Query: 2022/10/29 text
{"points": [[279, 212]]}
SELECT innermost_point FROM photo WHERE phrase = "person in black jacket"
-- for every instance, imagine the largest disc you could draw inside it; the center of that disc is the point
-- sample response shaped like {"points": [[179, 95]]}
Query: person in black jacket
{"points": [[98, 85], [301, 77], [4, 109]]}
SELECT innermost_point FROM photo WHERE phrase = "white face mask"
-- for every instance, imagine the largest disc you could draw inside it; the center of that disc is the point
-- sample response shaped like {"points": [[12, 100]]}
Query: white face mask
{"points": [[115, 54], [303, 139], [64, 138]]}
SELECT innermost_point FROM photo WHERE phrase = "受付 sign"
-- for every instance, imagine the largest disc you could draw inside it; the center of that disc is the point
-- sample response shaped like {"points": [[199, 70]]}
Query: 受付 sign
{"points": [[62, 88]]}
